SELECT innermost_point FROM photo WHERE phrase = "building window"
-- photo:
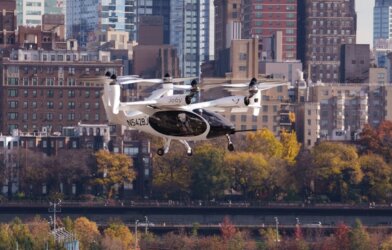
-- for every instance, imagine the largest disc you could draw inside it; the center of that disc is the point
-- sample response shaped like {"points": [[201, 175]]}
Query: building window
{"points": [[12, 104], [49, 81], [12, 81], [71, 105], [12, 116], [243, 56], [71, 117], [49, 116], [243, 118], [242, 68], [12, 92], [50, 105]]}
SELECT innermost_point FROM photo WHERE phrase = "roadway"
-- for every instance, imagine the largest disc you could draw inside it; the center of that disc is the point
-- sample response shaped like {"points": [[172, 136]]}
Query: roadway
{"points": [[165, 216]]}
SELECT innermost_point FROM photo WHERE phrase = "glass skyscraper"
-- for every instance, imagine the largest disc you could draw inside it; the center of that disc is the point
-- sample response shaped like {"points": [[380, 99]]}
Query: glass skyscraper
{"points": [[29, 12], [83, 17], [382, 20], [192, 33]]}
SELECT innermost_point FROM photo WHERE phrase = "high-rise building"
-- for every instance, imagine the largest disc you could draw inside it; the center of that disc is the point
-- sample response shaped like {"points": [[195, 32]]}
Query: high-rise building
{"points": [[192, 33], [323, 27], [83, 17], [227, 23], [265, 18], [382, 32], [7, 23], [354, 63], [382, 20], [30, 12], [155, 8]]}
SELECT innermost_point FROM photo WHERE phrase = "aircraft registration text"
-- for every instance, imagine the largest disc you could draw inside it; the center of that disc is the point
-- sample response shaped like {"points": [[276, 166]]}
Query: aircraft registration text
{"points": [[137, 122]]}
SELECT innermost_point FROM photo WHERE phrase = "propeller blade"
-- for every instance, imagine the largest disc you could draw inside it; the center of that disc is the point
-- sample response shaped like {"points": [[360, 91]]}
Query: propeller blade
{"points": [[182, 87], [182, 79], [128, 77], [131, 81]]}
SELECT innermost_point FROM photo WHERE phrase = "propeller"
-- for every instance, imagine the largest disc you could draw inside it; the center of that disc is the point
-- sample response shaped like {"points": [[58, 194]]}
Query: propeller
{"points": [[132, 79], [253, 86]]}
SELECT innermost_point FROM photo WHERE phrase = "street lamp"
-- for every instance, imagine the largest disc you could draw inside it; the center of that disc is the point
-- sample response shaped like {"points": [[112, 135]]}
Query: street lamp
{"points": [[146, 228], [54, 204], [277, 229], [136, 222]]}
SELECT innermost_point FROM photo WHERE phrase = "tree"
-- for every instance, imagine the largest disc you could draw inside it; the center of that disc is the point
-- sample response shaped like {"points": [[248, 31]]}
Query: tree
{"points": [[172, 175], [376, 184], [113, 169], [21, 235], [40, 232], [118, 235], [342, 237], [386, 244], [5, 237], [270, 238], [227, 229], [379, 140], [70, 167], [86, 232], [33, 172], [336, 169], [264, 141], [359, 237], [209, 177], [291, 146], [250, 172]]}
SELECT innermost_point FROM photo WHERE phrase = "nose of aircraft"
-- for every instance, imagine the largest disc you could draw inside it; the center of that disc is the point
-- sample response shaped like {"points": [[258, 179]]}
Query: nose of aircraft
{"points": [[221, 130]]}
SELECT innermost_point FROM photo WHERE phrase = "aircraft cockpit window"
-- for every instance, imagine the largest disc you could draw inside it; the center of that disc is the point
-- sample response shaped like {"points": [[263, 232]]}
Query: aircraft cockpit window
{"points": [[212, 118], [177, 123]]}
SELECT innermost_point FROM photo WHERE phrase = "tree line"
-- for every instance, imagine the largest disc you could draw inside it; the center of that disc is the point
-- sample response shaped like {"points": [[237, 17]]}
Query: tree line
{"points": [[36, 234], [263, 168]]}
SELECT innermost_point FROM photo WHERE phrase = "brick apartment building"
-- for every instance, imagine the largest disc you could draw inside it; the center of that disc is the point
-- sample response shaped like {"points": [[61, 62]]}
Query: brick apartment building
{"points": [[43, 88]]}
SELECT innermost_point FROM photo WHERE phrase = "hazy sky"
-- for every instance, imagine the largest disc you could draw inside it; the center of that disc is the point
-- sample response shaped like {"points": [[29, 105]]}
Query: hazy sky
{"points": [[364, 21]]}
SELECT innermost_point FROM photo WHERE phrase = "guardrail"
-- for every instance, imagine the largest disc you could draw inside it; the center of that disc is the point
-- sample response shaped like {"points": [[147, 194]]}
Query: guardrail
{"points": [[192, 204]]}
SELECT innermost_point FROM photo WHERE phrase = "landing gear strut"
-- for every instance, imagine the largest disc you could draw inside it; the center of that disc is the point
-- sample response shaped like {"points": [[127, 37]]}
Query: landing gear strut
{"points": [[165, 149], [188, 148], [230, 146]]}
